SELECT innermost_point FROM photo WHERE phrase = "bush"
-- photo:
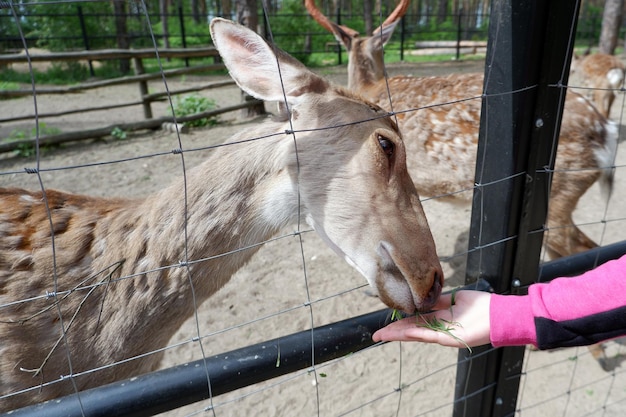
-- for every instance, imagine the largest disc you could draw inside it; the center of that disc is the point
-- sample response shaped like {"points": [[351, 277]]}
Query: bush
{"points": [[28, 149], [194, 104]]}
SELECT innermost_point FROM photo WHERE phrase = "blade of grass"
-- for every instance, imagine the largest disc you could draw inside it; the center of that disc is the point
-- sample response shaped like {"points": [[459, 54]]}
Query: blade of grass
{"points": [[440, 325]]}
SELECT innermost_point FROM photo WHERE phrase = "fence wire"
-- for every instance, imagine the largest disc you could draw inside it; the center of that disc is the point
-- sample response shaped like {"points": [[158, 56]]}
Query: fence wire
{"points": [[295, 284]]}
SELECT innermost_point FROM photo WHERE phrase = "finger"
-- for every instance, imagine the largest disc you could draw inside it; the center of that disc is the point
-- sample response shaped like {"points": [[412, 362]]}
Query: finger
{"points": [[403, 331], [423, 334], [394, 330]]}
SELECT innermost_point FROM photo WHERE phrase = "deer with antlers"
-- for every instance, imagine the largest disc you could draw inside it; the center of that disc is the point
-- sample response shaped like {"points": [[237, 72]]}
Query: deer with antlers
{"points": [[441, 125], [92, 282]]}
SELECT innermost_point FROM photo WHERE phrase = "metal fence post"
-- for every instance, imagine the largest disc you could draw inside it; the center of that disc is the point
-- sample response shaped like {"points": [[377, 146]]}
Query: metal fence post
{"points": [[459, 26], [181, 22], [528, 55], [83, 29]]}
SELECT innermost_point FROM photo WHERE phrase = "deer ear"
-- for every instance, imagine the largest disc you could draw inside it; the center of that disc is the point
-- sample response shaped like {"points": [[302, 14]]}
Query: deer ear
{"points": [[263, 71], [344, 35], [382, 34]]}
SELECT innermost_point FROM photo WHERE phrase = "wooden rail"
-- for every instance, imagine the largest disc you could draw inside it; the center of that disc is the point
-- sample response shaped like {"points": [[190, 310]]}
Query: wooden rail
{"points": [[108, 54], [106, 131], [140, 77], [128, 79], [450, 44]]}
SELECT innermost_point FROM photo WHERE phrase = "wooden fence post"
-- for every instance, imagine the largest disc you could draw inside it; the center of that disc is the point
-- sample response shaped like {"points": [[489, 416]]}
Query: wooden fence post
{"points": [[143, 88]]}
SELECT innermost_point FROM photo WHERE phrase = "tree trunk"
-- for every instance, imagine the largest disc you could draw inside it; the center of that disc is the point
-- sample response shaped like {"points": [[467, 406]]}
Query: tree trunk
{"points": [[195, 10], [247, 13], [442, 11], [367, 16], [164, 22], [227, 9], [611, 21], [121, 32], [198, 10]]}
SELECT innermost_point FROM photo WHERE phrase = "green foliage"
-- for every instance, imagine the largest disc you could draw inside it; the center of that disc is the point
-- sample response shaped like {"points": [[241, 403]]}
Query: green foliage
{"points": [[590, 25], [293, 19], [64, 73], [58, 26], [8, 85], [196, 34], [444, 31], [28, 149], [118, 133], [194, 104], [57, 74]]}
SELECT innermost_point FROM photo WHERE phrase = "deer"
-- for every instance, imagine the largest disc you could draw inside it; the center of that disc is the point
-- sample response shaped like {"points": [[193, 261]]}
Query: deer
{"points": [[600, 75], [440, 116], [90, 282], [440, 119]]}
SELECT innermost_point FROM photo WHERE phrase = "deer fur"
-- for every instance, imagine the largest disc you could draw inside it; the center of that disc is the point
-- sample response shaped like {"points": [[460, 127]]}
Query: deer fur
{"points": [[600, 75], [440, 123], [86, 282]]}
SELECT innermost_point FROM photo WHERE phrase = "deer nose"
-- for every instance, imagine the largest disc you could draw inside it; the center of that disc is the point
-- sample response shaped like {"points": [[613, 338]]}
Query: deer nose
{"points": [[435, 291], [420, 287]]}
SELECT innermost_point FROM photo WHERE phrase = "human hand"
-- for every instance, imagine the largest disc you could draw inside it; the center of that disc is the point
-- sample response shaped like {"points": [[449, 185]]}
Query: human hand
{"points": [[467, 320]]}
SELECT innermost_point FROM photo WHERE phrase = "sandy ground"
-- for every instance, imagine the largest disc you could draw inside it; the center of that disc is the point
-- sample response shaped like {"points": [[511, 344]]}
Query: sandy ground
{"points": [[246, 311]]}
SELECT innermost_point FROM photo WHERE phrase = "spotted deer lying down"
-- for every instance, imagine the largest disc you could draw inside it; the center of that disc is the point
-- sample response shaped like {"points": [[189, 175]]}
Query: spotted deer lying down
{"points": [[440, 123], [601, 75], [98, 268]]}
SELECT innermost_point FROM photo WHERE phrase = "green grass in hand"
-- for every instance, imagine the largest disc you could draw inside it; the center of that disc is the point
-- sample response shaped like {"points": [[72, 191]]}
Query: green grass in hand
{"points": [[440, 325]]}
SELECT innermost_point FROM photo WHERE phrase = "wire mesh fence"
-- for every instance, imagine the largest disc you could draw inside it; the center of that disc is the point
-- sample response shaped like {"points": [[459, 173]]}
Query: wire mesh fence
{"points": [[295, 284]]}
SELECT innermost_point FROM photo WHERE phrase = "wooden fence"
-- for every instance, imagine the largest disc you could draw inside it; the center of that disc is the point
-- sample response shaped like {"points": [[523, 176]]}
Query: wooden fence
{"points": [[140, 77]]}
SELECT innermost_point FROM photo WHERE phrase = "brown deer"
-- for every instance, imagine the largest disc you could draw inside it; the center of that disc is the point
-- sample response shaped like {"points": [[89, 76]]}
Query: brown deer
{"points": [[600, 75], [88, 282], [440, 123]]}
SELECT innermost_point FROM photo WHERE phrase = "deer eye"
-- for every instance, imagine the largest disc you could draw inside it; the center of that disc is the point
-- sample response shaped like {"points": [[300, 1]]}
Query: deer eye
{"points": [[386, 145]]}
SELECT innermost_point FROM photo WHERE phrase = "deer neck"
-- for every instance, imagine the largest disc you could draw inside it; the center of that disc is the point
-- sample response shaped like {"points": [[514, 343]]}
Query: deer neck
{"points": [[240, 197]]}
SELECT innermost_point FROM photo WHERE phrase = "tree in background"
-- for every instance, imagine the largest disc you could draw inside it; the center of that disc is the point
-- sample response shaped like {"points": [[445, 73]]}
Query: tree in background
{"points": [[121, 31], [611, 23], [163, 11], [198, 10], [56, 25], [368, 6], [248, 13]]}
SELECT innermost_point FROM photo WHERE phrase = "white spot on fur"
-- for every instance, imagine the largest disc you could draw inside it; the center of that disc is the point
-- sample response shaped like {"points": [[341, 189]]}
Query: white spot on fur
{"points": [[615, 77], [27, 199]]}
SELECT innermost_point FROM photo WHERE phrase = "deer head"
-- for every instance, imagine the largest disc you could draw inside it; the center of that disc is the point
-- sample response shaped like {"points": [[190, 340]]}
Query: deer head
{"points": [[365, 66], [359, 197]]}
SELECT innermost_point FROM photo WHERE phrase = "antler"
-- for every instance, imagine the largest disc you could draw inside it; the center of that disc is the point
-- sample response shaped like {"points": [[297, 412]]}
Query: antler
{"points": [[397, 14], [319, 17], [325, 22]]}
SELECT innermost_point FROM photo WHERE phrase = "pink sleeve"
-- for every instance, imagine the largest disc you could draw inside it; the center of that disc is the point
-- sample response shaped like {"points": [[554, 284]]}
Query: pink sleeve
{"points": [[512, 318]]}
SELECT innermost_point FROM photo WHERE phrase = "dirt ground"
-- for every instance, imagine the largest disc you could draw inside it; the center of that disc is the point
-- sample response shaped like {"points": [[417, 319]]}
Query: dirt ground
{"points": [[246, 311]]}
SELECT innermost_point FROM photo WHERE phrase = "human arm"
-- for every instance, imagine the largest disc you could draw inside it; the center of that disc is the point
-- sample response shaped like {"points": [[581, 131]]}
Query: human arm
{"points": [[565, 312]]}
